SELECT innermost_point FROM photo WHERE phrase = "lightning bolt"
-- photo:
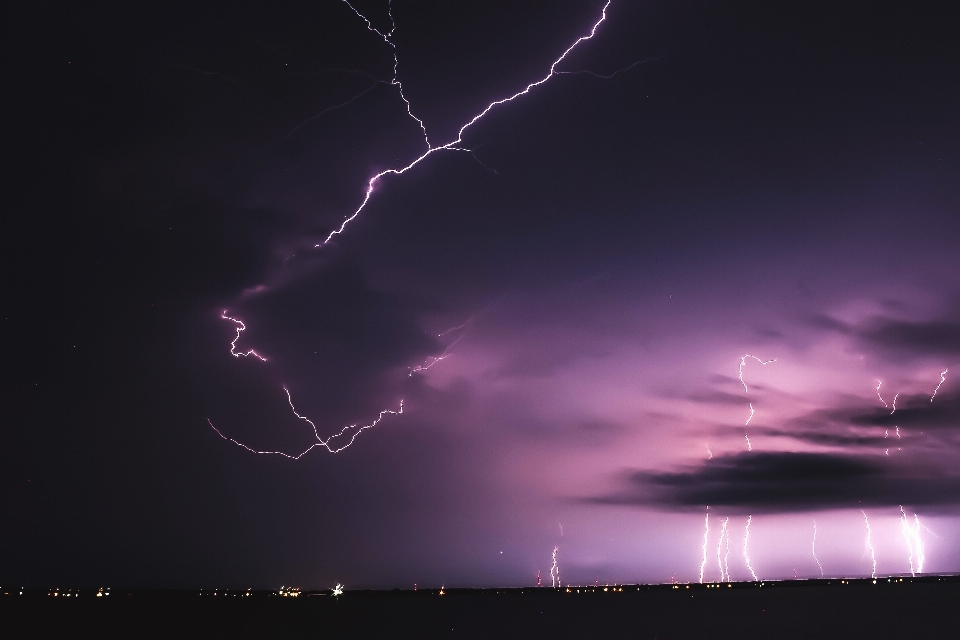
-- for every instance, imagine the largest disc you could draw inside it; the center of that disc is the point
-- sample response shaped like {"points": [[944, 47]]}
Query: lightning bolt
{"points": [[456, 144], [880, 382], [233, 345], [743, 361], [709, 453], [338, 590], [723, 533], [943, 377], [895, 403], [746, 537], [873, 555], [814, 549], [326, 444], [706, 534], [555, 569], [911, 534]]}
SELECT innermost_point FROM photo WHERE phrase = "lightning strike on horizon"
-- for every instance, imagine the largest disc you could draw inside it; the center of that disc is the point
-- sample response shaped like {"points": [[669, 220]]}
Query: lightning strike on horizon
{"points": [[555, 570], [723, 534], [453, 145], [869, 544], [233, 345], [943, 377], [911, 534], [813, 548], [743, 361], [320, 441], [746, 537], [706, 534]]}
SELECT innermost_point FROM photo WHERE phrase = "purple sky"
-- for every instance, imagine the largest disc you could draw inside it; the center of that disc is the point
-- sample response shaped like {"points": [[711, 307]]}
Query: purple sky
{"points": [[583, 275]]}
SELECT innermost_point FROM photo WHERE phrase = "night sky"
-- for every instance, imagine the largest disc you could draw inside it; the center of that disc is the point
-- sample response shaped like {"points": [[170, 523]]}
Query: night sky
{"points": [[572, 304]]}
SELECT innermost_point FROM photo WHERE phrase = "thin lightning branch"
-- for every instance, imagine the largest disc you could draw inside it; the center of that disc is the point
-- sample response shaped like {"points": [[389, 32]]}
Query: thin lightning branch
{"points": [[750, 417], [706, 535], [895, 403], [943, 377], [743, 361], [453, 144], [873, 555], [233, 345], [396, 63], [814, 549], [749, 444], [326, 444], [336, 106], [726, 557], [709, 453], [746, 537], [880, 382], [432, 360], [608, 76]]}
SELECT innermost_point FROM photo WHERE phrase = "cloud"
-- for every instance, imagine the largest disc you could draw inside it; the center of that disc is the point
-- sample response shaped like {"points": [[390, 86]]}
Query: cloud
{"points": [[776, 482], [899, 338]]}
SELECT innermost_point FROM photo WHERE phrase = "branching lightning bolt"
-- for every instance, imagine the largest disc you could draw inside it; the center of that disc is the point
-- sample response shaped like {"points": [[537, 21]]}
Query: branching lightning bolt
{"points": [[326, 444], [911, 534], [453, 145], [746, 537], [873, 555], [943, 377], [456, 144]]}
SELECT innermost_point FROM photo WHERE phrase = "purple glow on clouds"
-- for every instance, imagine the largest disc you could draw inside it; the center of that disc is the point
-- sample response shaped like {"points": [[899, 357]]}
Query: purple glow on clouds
{"points": [[562, 311]]}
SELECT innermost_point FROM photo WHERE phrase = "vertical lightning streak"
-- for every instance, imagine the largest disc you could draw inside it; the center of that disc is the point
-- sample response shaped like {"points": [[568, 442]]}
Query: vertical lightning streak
{"points": [[873, 555], [706, 534], [453, 145], [555, 570], [895, 403], [746, 537], [814, 549], [723, 533], [743, 361], [943, 377]]}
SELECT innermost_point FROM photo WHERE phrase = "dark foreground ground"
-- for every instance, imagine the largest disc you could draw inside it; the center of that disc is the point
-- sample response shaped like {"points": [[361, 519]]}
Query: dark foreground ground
{"points": [[907, 608]]}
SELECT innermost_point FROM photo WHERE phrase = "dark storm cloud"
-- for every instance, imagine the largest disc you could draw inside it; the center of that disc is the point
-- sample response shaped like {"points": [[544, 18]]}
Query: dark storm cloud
{"points": [[920, 423], [898, 338], [785, 481]]}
